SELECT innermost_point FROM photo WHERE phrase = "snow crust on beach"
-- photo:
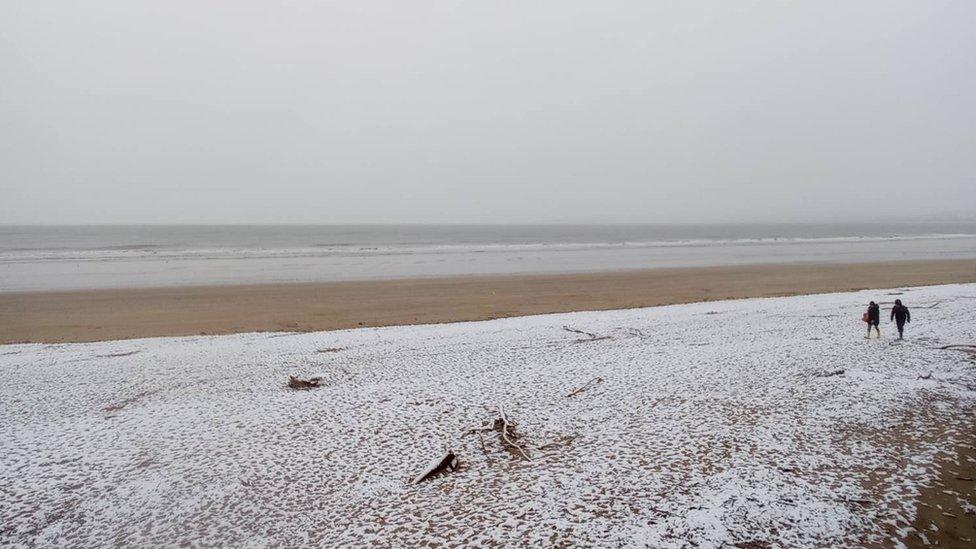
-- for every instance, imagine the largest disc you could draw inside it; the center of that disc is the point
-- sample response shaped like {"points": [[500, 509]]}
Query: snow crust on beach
{"points": [[715, 423]]}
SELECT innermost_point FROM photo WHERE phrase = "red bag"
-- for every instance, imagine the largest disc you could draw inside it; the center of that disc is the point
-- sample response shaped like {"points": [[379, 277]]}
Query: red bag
{"points": [[865, 318]]}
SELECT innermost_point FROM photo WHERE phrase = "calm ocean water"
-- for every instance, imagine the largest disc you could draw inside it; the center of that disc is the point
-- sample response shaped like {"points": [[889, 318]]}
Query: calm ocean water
{"points": [[71, 257]]}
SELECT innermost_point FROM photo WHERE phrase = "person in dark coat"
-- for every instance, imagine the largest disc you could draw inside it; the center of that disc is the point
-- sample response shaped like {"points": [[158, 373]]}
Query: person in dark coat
{"points": [[900, 314], [874, 318]]}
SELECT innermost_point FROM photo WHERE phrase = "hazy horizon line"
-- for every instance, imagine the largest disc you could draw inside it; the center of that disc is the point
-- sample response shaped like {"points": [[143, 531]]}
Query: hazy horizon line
{"points": [[501, 224]]}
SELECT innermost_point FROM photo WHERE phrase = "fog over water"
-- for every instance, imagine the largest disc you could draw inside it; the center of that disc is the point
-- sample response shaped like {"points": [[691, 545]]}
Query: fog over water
{"points": [[355, 111]]}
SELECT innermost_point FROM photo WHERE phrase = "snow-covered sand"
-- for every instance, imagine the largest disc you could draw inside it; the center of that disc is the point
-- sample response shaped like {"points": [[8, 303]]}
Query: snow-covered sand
{"points": [[714, 423]]}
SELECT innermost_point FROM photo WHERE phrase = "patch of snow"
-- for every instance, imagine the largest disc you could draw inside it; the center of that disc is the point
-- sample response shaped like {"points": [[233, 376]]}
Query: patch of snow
{"points": [[713, 425]]}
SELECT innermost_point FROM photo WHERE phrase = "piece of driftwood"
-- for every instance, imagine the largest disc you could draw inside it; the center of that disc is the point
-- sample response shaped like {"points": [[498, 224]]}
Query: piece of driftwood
{"points": [[831, 373], [509, 437], [636, 332], [964, 347], [116, 355], [581, 332], [589, 335], [447, 462], [120, 405], [589, 383], [857, 501], [310, 383], [926, 376]]}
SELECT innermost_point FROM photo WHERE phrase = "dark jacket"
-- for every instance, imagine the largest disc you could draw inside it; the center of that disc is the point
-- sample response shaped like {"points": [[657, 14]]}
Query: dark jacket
{"points": [[900, 314], [874, 314]]}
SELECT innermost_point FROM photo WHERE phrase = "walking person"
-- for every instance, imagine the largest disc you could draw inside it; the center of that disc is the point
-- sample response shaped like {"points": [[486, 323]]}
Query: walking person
{"points": [[873, 318], [900, 314]]}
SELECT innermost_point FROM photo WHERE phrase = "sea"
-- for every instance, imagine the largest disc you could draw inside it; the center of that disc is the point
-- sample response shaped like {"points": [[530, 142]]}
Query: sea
{"points": [[50, 258]]}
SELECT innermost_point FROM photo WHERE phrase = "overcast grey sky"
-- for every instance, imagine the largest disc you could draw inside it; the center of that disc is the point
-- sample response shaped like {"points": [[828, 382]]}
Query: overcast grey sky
{"points": [[115, 111]]}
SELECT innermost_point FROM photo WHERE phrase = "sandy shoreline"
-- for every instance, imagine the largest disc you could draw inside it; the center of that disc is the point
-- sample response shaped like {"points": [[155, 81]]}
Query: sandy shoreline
{"points": [[98, 315]]}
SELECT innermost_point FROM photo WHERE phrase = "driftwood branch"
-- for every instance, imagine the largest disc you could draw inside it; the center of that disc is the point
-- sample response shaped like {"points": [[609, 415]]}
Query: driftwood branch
{"points": [[311, 383], [509, 436], [484, 449], [831, 373], [588, 384], [857, 501], [964, 347], [581, 332], [600, 338], [636, 332], [967, 348], [447, 462], [119, 405], [589, 335]]}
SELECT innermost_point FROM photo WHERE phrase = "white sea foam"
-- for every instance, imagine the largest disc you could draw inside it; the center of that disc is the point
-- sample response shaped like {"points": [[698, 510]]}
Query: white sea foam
{"points": [[194, 253], [71, 258], [713, 425]]}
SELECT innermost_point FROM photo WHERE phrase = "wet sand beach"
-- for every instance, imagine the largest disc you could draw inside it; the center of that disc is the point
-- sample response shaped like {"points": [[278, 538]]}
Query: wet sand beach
{"points": [[96, 315]]}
